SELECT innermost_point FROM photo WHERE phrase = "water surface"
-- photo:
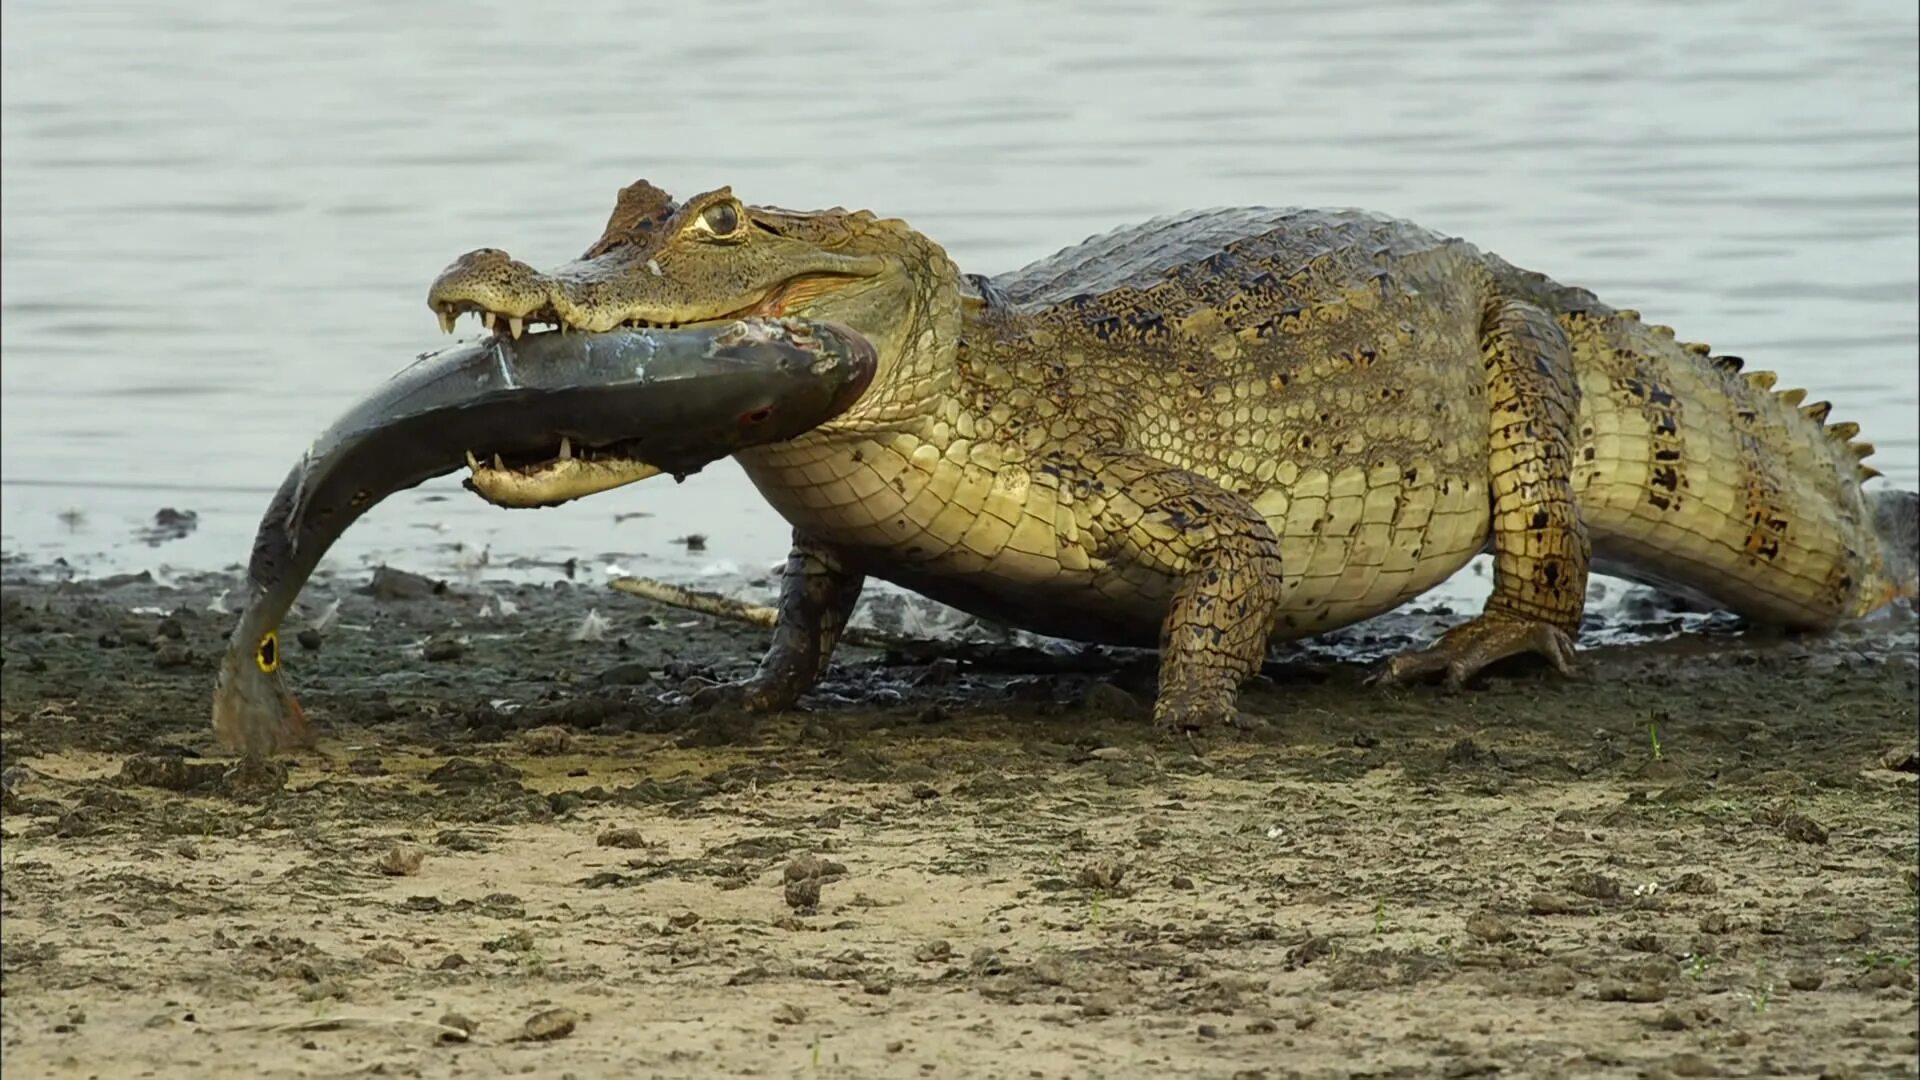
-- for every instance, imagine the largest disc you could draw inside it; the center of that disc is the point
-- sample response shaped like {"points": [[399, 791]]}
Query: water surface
{"points": [[220, 220]]}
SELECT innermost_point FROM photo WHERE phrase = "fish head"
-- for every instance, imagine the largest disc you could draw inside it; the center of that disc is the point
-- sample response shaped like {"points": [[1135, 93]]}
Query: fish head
{"points": [[255, 712]]}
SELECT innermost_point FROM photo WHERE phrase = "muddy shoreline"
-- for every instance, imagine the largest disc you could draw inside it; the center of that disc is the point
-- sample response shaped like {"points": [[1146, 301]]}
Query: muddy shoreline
{"points": [[517, 849]]}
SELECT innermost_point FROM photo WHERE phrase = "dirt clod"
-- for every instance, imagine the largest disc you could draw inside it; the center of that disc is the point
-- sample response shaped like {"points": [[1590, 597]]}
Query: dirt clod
{"points": [[401, 860], [549, 1024], [1489, 927], [547, 741], [624, 837]]}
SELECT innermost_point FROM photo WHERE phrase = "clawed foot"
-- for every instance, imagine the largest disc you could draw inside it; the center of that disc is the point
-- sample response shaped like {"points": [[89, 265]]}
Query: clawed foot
{"points": [[1464, 650], [752, 695], [1194, 713]]}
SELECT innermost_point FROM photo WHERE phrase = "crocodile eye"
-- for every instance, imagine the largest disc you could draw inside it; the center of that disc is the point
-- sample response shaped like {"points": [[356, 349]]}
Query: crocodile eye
{"points": [[720, 219], [268, 655]]}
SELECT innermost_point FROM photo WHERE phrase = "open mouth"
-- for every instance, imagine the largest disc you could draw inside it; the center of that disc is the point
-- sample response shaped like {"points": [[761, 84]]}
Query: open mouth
{"points": [[546, 319], [778, 301], [538, 479]]}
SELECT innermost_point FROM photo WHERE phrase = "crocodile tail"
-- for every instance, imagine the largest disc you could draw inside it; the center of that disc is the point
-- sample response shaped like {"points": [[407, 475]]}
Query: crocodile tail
{"points": [[1896, 521], [1692, 470]]}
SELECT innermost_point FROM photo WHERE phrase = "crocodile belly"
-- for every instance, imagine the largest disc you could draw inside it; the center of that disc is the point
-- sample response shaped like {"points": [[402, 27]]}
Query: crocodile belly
{"points": [[1361, 540]]}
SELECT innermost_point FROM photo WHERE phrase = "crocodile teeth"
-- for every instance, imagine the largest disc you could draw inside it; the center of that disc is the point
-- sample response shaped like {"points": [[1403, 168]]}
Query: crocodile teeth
{"points": [[497, 463], [516, 325], [486, 320], [566, 448], [446, 320], [473, 463]]}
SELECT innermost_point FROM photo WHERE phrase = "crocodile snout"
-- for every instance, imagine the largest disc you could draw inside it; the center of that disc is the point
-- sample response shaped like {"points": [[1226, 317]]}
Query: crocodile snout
{"points": [[492, 283]]}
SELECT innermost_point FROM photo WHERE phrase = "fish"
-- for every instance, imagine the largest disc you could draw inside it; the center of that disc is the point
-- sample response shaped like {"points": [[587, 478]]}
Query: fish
{"points": [[537, 421]]}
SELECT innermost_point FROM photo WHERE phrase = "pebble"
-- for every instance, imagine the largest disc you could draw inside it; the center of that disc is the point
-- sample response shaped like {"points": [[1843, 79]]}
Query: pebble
{"points": [[550, 1024], [443, 648], [401, 860]]}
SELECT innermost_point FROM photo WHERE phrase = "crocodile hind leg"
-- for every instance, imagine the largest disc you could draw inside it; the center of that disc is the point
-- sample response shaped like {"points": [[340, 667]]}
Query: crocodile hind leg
{"points": [[1540, 548], [817, 595], [1160, 519]]}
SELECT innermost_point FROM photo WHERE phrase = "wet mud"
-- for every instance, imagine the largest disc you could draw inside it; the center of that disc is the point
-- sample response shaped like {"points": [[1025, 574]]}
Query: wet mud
{"points": [[518, 850]]}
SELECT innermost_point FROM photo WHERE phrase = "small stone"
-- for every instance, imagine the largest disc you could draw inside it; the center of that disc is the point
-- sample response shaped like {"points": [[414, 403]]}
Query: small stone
{"points": [[1594, 885], [187, 849], [686, 920], [1103, 876], [173, 654], [896, 1046], [457, 1027], [309, 639], [391, 584], [1801, 828], [1852, 929], [803, 894], [1108, 700], [550, 1024], [812, 866], [934, 952], [1181, 882], [1554, 903], [1673, 1020], [1694, 884], [1642, 992], [623, 837], [547, 741], [451, 961], [1805, 978], [631, 673], [1690, 1064], [401, 860], [387, 954], [1207, 1031], [1489, 927], [986, 961], [442, 649], [789, 1013]]}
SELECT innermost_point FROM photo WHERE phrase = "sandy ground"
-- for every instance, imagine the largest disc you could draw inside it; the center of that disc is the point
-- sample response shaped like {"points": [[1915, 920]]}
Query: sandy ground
{"points": [[527, 856]]}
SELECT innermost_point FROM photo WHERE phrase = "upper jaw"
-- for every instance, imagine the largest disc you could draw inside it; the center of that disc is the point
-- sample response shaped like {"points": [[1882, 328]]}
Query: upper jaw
{"points": [[508, 296], [564, 317]]}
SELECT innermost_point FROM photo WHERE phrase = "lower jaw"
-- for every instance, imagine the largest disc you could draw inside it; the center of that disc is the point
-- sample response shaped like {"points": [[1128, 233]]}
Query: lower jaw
{"points": [[554, 482]]}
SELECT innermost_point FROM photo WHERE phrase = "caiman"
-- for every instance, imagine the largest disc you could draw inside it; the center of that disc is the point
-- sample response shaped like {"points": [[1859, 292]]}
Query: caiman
{"points": [[1225, 426]]}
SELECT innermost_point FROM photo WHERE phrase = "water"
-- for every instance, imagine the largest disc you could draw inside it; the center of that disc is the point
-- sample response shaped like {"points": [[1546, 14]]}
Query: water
{"points": [[220, 220]]}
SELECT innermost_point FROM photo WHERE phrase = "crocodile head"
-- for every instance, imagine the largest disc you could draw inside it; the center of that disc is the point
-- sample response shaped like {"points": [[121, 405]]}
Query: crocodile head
{"points": [[712, 259]]}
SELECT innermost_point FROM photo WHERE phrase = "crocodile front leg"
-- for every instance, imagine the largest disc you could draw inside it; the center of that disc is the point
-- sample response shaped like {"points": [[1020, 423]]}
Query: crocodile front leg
{"points": [[817, 595], [1540, 548], [1153, 515]]}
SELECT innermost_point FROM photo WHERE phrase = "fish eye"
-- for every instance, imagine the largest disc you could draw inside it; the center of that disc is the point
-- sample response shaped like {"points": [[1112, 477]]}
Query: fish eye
{"points": [[268, 654], [720, 219]]}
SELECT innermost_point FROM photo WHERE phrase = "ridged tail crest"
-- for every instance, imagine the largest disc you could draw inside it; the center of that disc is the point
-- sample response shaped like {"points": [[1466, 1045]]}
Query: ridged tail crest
{"points": [[1696, 473]]}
